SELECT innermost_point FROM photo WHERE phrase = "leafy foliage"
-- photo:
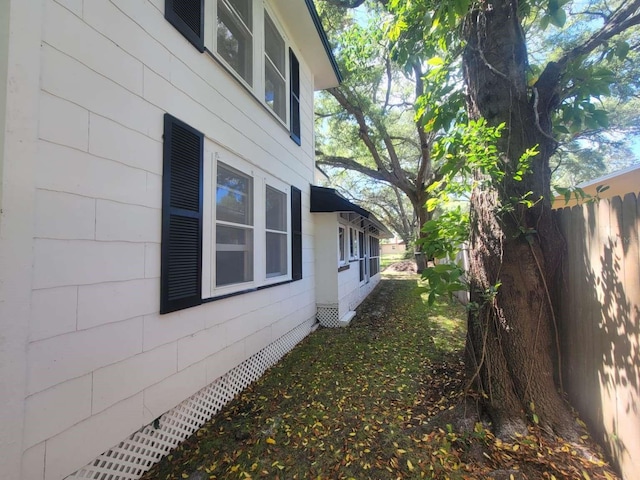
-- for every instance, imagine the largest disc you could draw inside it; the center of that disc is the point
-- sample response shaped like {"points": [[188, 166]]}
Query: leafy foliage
{"points": [[383, 120]]}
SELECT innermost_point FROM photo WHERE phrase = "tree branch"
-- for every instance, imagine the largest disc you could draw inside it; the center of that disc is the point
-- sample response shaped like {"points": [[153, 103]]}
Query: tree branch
{"points": [[627, 16], [362, 123], [424, 169], [388, 94], [351, 164]]}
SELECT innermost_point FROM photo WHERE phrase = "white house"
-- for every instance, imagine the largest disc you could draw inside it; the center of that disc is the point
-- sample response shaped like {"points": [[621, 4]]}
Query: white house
{"points": [[346, 236], [157, 247], [617, 183]]}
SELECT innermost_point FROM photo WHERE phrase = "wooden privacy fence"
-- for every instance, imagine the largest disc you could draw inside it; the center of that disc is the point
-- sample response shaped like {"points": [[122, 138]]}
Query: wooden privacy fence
{"points": [[599, 323]]}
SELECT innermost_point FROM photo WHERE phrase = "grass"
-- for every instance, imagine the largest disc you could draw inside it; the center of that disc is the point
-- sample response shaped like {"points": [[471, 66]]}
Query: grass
{"points": [[389, 258], [354, 403], [341, 405]]}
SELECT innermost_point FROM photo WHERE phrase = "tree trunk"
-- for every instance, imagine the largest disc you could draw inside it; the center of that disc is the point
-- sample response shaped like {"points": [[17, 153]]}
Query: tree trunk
{"points": [[423, 216], [514, 250]]}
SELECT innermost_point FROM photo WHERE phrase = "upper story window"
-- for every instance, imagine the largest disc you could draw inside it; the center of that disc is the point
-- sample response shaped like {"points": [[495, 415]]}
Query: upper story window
{"points": [[275, 80], [234, 36], [245, 37]]}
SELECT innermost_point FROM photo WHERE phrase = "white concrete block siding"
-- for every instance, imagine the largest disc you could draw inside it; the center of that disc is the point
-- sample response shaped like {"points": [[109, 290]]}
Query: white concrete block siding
{"points": [[80, 262], [71, 355], [143, 223], [64, 216], [50, 412], [73, 131], [68, 451], [33, 462], [132, 148], [54, 311], [200, 345], [122, 380], [172, 390], [111, 302], [85, 209]]}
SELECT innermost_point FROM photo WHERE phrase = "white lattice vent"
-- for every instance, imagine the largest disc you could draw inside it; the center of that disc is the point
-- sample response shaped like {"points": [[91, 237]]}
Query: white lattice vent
{"points": [[328, 315], [138, 453]]}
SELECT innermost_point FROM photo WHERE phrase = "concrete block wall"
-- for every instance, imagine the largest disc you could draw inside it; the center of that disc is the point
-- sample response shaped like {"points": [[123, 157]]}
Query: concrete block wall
{"points": [[100, 360]]}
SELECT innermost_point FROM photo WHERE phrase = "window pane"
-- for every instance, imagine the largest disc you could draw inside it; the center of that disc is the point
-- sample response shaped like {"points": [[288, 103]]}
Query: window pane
{"points": [[234, 196], [276, 210], [273, 44], [276, 254], [234, 37], [234, 255], [274, 90], [243, 9], [341, 243], [353, 243], [274, 81]]}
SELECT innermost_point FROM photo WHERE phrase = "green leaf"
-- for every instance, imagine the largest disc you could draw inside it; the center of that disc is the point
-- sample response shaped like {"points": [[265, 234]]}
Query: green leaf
{"points": [[461, 7], [558, 18], [544, 21], [622, 49], [600, 116], [432, 203]]}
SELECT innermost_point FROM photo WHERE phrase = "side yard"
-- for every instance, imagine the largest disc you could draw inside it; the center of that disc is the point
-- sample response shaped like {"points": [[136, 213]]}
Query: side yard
{"points": [[353, 403]]}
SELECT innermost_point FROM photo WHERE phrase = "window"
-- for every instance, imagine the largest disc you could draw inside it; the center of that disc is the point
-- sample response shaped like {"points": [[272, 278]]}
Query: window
{"points": [[374, 255], [274, 72], [276, 217], [234, 227], [234, 36], [362, 262], [342, 246], [245, 37], [215, 230], [353, 244]]}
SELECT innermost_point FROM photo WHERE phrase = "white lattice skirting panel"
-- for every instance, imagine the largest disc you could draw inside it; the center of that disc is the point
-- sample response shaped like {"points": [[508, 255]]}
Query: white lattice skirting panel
{"points": [[138, 453], [328, 315]]}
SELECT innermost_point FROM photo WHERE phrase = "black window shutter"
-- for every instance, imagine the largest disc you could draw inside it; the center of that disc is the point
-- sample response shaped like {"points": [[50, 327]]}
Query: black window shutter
{"points": [[181, 251], [296, 234], [294, 97], [188, 17]]}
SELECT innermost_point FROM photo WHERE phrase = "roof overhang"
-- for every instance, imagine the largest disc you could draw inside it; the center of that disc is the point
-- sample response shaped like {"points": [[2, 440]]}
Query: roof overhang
{"points": [[619, 183], [328, 200], [303, 23]]}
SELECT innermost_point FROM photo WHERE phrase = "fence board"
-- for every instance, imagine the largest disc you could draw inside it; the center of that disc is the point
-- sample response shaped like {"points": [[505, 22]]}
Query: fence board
{"points": [[599, 323]]}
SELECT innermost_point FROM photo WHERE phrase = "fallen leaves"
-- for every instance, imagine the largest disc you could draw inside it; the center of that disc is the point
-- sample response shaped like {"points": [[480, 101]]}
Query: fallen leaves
{"points": [[352, 403]]}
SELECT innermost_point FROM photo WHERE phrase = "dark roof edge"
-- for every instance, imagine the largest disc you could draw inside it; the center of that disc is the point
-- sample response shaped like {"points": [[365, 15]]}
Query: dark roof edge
{"points": [[326, 200], [323, 38]]}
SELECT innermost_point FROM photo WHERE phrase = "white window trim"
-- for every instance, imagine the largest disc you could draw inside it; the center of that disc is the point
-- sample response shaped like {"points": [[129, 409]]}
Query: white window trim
{"points": [[363, 257], [259, 68], [345, 244], [353, 255], [214, 154], [286, 190]]}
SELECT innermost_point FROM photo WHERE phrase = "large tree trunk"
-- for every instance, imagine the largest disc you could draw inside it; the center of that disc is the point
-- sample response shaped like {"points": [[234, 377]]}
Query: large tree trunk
{"points": [[419, 205], [511, 335]]}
